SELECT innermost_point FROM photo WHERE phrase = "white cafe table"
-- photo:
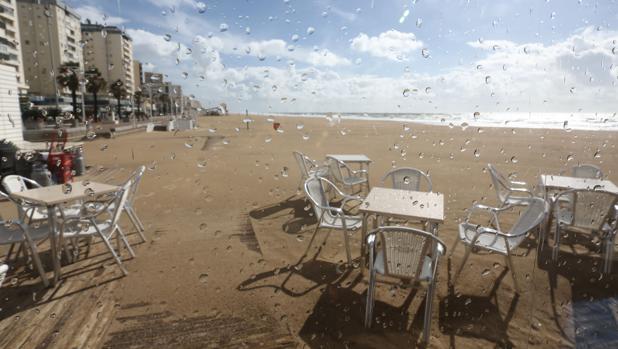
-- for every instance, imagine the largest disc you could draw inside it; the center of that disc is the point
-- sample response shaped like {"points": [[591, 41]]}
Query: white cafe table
{"points": [[548, 183], [404, 204], [551, 182], [350, 158], [54, 196]]}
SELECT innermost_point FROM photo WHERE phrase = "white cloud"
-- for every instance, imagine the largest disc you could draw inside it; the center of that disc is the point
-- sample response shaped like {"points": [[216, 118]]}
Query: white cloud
{"points": [[273, 49], [578, 73], [392, 44], [95, 15]]}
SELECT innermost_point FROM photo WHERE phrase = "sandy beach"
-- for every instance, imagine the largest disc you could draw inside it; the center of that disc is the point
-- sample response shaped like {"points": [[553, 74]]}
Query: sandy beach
{"points": [[226, 225]]}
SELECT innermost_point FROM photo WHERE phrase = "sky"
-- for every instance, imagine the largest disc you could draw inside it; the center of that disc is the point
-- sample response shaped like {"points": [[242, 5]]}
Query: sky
{"points": [[378, 56]]}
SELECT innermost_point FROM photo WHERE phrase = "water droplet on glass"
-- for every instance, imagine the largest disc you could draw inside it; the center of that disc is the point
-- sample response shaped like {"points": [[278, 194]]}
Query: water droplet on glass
{"points": [[514, 159], [167, 37], [487, 79], [406, 92], [201, 7], [310, 30], [295, 37], [268, 140], [67, 188], [569, 157], [425, 53], [201, 163], [223, 27], [300, 126]]}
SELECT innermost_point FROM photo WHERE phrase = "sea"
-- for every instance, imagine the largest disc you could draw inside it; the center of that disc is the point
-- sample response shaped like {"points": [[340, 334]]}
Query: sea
{"points": [[543, 120]]}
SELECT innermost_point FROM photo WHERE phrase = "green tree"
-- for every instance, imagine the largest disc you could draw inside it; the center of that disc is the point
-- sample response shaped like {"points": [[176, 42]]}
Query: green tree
{"points": [[119, 92], [94, 84], [137, 96], [68, 77]]}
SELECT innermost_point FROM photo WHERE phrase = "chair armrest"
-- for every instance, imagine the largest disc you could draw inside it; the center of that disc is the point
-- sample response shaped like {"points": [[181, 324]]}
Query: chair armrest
{"points": [[522, 190], [493, 211], [30, 181]]}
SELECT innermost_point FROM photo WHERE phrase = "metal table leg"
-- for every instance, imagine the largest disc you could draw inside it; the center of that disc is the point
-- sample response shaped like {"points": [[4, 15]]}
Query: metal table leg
{"points": [[53, 241]]}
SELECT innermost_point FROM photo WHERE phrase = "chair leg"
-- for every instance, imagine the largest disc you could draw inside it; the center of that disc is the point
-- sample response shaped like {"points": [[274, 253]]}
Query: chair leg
{"points": [[509, 263], [111, 250], [428, 311], [36, 260], [370, 299], [138, 227], [609, 253], [556, 247], [126, 243], [10, 252], [453, 248], [463, 263], [346, 238], [139, 221]]}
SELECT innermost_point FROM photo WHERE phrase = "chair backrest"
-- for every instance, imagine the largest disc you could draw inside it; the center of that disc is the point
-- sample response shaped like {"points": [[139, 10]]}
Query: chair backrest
{"points": [[534, 215], [135, 180], [405, 250], [302, 160], [14, 184], [590, 208], [121, 199], [334, 169], [314, 190], [407, 178], [501, 184], [587, 171]]}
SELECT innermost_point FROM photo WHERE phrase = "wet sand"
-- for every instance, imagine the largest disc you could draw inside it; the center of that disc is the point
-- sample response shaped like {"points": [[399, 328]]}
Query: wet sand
{"points": [[226, 225]]}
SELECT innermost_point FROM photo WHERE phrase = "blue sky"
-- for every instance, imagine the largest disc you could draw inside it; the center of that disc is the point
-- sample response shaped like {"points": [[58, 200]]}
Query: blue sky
{"points": [[379, 56]]}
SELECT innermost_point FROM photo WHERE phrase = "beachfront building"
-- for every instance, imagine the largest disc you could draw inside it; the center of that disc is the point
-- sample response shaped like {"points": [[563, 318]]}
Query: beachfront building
{"points": [[10, 47], [50, 36], [165, 97], [110, 50], [10, 115], [138, 75]]}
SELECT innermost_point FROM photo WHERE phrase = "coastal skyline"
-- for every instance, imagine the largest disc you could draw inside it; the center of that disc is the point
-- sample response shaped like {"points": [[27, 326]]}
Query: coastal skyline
{"points": [[369, 56]]}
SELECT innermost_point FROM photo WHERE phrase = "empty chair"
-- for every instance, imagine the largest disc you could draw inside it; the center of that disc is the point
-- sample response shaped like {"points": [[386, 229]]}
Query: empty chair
{"points": [[16, 232], [405, 253], [509, 192], [587, 171], [307, 167], [407, 178], [349, 177], [133, 184], [498, 240], [588, 211], [25, 211], [329, 217], [94, 221]]}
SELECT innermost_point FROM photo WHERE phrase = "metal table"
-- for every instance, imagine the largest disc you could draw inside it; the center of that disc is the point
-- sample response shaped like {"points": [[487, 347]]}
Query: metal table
{"points": [[56, 195], [404, 204]]}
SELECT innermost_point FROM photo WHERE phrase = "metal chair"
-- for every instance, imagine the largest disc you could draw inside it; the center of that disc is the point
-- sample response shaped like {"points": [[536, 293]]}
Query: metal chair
{"points": [[25, 210], [307, 167], [330, 217], [133, 184], [587, 171], [587, 211], [407, 178], [92, 223], [509, 192], [475, 236], [404, 253], [350, 178], [16, 232]]}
